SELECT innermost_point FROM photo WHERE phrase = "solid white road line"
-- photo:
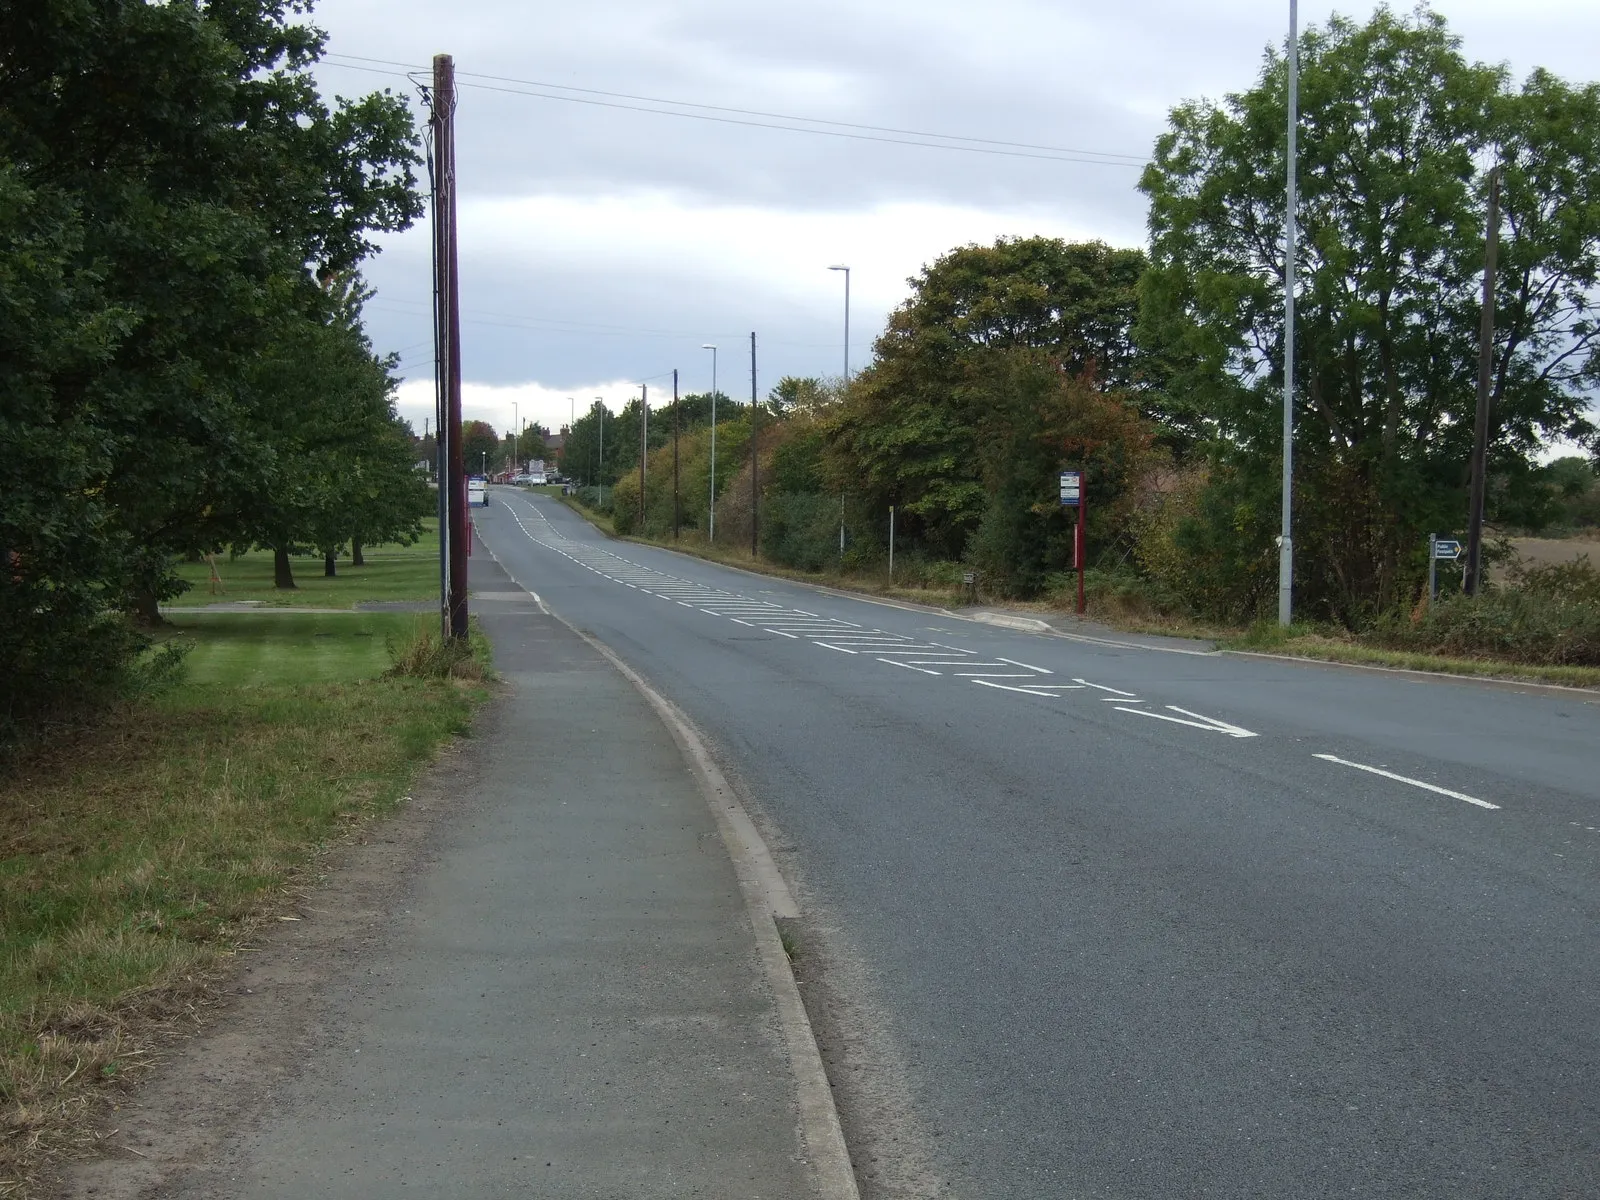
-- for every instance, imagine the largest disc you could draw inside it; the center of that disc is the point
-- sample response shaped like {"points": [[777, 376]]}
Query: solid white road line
{"points": [[1102, 687], [1006, 687], [907, 666], [1429, 787], [1210, 724], [781, 633], [1029, 666]]}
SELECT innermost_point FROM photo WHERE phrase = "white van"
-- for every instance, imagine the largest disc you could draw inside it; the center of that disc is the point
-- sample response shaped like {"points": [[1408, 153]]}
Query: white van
{"points": [[477, 492]]}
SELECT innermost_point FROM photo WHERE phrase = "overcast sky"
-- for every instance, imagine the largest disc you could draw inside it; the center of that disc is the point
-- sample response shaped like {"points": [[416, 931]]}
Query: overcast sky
{"points": [[602, 246]]}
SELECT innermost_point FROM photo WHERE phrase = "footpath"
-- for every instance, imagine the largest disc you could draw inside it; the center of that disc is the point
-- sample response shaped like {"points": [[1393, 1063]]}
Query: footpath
{"points": [[563, 993]]}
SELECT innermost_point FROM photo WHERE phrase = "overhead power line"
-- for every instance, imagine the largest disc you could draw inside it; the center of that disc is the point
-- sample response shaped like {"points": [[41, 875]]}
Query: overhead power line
{"points": [[820, 126]]}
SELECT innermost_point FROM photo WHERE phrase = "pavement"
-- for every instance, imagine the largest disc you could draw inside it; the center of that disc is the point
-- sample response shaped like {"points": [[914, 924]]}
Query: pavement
{"points": [[1133, 919], [580, 992]]}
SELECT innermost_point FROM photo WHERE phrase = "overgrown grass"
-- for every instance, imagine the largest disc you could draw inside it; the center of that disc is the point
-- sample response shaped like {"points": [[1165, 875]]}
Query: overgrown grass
{"points": [[1300, 641], [390, 573], [140, 854]]}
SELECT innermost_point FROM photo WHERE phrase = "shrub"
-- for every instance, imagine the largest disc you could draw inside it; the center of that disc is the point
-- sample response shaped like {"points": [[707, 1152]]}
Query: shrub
{"points": [[1524, 626], [428, 654]]}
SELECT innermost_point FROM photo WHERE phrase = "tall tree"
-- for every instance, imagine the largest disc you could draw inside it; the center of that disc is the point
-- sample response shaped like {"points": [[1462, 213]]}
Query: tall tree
{"points": [[909, 432], [1397, 131]]}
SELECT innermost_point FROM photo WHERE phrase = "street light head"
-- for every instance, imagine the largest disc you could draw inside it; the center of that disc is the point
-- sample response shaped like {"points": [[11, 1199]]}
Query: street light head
{"points": [[708, 346], [839, 267]]}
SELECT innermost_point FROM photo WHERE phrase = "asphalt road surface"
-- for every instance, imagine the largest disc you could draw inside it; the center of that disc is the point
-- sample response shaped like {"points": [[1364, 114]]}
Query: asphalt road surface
{"points": [[1147, 923]]}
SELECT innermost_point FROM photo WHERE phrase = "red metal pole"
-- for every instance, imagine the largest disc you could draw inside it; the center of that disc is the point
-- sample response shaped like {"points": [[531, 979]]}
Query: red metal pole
{"points": [[1078, 545]]}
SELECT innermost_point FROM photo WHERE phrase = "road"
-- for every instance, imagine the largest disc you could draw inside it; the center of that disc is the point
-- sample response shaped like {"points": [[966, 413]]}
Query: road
{"points": [[1146, 923]]}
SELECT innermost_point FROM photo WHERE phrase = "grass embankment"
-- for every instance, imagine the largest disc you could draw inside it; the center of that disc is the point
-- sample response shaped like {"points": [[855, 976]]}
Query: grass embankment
{"points": [[1298, 642], [1323, 646], [140, 855], [390, 573]]}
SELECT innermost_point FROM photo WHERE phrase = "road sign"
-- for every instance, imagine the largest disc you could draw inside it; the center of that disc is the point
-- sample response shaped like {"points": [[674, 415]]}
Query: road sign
{"points": [[1450, 551], [1071, 488]]}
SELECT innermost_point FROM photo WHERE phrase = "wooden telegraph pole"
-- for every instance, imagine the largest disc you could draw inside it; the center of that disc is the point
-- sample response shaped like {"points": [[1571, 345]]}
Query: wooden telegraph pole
{"points": [[453, 531]]}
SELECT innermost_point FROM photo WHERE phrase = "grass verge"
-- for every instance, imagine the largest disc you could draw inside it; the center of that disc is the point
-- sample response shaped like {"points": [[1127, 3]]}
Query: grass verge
{"points": [[390, 573], [1323, 648], [141, 854]]}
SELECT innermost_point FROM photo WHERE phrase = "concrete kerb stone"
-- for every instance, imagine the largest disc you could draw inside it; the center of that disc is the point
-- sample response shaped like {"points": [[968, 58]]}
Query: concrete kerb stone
{"points": [[767, 897]]}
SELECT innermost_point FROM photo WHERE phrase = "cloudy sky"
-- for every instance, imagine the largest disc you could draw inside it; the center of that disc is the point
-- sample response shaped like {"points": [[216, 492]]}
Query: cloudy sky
{"points": [[602, 245]]}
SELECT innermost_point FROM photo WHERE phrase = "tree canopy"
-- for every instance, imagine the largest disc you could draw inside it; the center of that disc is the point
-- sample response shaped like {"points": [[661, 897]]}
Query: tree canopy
{"points": [[175, 202], [1397, 134]]}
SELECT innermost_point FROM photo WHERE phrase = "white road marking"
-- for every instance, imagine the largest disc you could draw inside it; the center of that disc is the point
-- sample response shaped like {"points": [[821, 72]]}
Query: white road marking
{"points": [[831, 646], [1101, 686], [781, 633], [1210, 724], [1430, 787], [1029, 666], [907, 666], [994, 674], [1006, 687]]}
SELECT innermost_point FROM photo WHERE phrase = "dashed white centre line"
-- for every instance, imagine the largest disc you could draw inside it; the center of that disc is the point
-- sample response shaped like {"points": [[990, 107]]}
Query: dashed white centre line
{"points": [[1430, 787]]}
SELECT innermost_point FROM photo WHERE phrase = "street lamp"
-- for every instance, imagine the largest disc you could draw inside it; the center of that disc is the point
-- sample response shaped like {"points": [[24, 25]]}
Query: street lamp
{"points": [[601, 475], [711, 523], [1285, 541], [846, 270]]}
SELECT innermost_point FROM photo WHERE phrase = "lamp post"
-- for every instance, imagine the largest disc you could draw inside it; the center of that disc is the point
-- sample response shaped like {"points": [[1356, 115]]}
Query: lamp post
{"points": [[600, 477], [1285, 542], [711, 521], [846, 270], [516, 435]]}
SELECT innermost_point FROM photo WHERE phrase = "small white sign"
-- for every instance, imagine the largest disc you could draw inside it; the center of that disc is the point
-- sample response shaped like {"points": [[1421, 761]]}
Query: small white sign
{"points": [[1071, 488]]}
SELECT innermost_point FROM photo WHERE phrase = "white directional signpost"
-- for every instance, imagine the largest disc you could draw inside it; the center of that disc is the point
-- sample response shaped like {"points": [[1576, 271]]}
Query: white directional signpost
{"points": [[1072, 497], [1439, 549]]}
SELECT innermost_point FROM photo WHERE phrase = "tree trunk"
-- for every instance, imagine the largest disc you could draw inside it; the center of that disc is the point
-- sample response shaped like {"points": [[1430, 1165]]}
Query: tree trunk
{"points": [[282, 573], [329, 562], [355, 553], [145, 609]]}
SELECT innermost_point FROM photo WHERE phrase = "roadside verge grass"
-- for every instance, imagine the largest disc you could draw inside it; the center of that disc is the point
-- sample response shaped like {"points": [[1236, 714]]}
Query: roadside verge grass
{"points": [[139, 855]]}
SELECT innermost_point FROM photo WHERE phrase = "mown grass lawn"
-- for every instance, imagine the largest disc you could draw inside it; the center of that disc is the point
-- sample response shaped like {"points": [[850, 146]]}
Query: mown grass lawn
{"points": [[138, 854], [390, 573]]}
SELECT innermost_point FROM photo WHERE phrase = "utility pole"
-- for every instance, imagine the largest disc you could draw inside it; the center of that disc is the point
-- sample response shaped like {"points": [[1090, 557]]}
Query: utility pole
{"points": [[674, 453], [600, 478], [644, 444], [1286, 539], [755, 456], [1480, 424], [447, 334]]}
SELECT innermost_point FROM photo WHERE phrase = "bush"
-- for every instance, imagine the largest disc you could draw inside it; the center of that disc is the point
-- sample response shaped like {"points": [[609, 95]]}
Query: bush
{"points": [[1523, 626], [428, 654], [1575, 582], [801, 530]]}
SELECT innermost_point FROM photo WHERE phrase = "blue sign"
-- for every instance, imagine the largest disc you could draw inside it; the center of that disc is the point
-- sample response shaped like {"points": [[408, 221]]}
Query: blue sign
{"points": [[1450, 551], [1071, 488]]}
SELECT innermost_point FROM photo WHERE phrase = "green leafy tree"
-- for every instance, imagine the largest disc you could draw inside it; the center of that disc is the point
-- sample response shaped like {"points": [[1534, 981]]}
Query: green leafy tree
{"points": [[1397, 130], [480, 446], [910, 430]]}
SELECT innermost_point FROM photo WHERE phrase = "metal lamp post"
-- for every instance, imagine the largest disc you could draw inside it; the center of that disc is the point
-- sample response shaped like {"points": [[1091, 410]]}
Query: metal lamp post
{"points": [[846, 270], [711, 521], [601, 476], [1285, 541]]}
